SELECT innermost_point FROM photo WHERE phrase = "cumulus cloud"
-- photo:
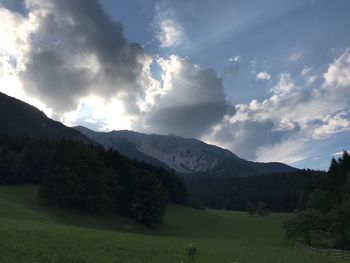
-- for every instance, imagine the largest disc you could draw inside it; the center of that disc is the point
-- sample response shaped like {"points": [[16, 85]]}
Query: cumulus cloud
{"points": [[331, 124], [75, 58], [189, 101], [263, 75], [246, 136], [338, 73], [71, 49], [284, 85], [169, 31], [292, 114]]}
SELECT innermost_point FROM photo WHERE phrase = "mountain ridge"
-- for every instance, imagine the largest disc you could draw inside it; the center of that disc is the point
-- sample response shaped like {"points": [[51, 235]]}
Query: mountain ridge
{"points": [[185, 155]]}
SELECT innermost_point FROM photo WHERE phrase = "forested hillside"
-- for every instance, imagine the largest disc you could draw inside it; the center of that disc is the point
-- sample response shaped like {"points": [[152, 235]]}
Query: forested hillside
{"points": [[281, 192], [89, 178]]}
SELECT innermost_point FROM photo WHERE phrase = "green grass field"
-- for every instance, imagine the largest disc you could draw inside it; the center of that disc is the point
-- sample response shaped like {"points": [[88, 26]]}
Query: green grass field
{"points": [[32, 233]]}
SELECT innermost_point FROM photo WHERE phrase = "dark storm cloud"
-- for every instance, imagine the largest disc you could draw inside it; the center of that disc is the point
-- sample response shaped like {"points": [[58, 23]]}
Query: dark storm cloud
{"points": [[75, 50], [246, 137], [194, 99], [79, 50], [189, 121]]}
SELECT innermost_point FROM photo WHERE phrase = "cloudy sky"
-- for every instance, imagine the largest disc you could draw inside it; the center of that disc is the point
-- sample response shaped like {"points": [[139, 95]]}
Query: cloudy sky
{"points": [[269, 80]]}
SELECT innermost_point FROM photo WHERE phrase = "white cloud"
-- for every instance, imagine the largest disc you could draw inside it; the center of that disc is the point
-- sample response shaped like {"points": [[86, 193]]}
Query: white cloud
{"points": [[235, 59], [294, 114], [306, 71], [288, 151], [98, 114], [57, 59], [14, 32], [169, 30], [331, 124], [311, 79], [338, 73], [295, 56], [284, 85], [263, 75]]}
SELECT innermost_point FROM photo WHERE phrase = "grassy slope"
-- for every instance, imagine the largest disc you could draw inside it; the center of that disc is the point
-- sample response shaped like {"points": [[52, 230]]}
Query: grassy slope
{"points": [[31, 233]]}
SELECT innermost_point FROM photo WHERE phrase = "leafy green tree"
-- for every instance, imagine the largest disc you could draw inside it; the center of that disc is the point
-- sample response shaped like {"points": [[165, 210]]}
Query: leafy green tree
{"points": [[340, 227], [149, 199], [303, 226]]}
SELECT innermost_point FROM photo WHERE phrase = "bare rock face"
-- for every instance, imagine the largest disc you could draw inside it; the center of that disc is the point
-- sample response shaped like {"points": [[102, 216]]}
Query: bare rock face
{"points": [[184, 155]]}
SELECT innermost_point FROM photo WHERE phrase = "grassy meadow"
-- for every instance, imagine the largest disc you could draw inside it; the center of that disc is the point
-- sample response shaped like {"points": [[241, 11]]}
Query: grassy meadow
{"points": [[30, 232]]}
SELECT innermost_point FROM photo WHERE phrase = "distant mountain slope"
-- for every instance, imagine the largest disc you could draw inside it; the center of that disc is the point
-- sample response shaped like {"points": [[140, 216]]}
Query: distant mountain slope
{"points": [[116, 141], [188, 156], [18, 118]]}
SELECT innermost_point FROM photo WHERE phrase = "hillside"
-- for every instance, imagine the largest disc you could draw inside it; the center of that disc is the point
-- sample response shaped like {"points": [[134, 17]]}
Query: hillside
{"points": [[185, 155], [32, 233], [21, 119]]}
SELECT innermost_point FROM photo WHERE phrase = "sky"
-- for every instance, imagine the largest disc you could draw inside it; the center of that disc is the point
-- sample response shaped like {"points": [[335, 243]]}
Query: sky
{"points": [[268, 80]]}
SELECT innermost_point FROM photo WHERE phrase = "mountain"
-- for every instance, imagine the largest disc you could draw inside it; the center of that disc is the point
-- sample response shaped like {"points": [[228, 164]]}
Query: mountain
{"points": [[115, 141], [185, 155], [21, 119]]}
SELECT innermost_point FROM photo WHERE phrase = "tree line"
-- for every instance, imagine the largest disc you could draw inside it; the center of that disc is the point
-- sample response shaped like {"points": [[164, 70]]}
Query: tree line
{"points": [[281, 192], [327, 209], [90, 178]]}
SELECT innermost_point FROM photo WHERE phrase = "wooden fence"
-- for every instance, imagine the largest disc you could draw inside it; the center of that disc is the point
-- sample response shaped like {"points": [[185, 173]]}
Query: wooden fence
{"points": [[329, 252]]}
